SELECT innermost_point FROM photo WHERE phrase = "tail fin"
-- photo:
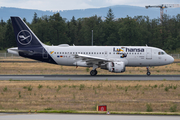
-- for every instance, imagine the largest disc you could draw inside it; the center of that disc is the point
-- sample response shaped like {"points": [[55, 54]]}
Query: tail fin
{"points": [[29, 45], [24, 36]]}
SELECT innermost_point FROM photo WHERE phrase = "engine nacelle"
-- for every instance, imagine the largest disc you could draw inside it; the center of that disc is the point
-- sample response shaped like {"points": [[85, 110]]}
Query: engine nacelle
{"points": [[116, 67]]}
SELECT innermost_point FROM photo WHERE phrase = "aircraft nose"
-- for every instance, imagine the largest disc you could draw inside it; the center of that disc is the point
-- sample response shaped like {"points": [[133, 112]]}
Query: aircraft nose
{"points": [[171, 59]]}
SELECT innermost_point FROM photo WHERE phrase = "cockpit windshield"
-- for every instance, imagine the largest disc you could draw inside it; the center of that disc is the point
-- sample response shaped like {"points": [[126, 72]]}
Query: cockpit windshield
{"points": [[161, 53]]}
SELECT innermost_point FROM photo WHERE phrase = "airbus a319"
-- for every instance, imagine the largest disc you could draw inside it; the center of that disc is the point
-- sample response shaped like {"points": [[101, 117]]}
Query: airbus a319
{"points": [[112, 58]]}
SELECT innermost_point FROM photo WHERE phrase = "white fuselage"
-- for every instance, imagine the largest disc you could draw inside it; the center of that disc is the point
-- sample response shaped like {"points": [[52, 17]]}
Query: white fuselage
{"points": [[112, 58], [136, 55]]}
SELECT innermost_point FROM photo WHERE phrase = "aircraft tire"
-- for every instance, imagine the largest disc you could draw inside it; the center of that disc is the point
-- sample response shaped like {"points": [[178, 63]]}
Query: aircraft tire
{"points": [[148, 73], [93, 72]]}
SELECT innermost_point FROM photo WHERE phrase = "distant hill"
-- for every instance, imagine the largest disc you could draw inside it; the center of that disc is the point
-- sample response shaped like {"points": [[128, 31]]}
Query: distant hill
{"points": [[120, 11]]}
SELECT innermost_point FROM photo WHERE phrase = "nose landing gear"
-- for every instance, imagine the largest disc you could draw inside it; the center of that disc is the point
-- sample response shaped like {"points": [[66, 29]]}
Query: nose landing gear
{"points": [[148, 72]]}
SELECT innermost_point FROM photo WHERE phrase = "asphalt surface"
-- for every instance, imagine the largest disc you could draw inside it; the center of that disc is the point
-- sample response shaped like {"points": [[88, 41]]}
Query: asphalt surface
{"points": [[4, 116], [88, 77], [16, 61], [19, 61]]}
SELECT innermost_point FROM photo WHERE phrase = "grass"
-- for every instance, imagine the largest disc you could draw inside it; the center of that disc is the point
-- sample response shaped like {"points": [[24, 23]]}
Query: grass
{"points": [[29, 88], [84, 95], [40, 86], [5, 89], [173, 108], [45, 68], [149, 108]]}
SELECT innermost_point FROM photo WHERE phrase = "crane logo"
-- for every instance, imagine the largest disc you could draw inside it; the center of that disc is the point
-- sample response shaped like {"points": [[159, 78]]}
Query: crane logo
{"points": [[24, 37]]}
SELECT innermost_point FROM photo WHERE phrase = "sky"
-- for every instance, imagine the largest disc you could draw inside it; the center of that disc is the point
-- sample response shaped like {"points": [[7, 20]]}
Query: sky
{"points": [[56, 5]]}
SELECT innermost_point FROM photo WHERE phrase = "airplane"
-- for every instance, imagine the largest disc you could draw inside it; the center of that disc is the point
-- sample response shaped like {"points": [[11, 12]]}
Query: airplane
{"points": [[112, 58]]}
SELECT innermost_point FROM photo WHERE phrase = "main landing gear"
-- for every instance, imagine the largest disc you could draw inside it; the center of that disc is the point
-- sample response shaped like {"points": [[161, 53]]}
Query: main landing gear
{"points": [[148, 72], [93, 72]]}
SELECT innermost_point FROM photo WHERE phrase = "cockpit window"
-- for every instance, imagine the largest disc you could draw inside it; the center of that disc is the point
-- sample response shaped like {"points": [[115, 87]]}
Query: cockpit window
{"points": [[161, 53]]}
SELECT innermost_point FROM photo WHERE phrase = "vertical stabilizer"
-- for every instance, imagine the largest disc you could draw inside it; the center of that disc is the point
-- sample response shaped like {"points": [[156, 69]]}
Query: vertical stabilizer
{"points": [[24, 36]]}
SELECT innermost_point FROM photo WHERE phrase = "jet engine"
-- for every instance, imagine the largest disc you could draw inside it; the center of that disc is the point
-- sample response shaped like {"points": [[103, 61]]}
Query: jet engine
{"points": [[116, 67]]}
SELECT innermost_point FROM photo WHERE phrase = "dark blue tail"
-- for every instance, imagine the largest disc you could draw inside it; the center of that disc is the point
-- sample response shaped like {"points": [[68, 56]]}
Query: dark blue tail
{"points": [[29, 45], [24, 36]]}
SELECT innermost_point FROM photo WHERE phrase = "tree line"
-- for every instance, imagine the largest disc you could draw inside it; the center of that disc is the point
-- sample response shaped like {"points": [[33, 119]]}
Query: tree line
{"points": [[128, 31]]}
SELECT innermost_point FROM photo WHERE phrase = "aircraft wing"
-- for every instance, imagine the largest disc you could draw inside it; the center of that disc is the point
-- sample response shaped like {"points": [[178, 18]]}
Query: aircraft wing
{"points": [[92, 59]]}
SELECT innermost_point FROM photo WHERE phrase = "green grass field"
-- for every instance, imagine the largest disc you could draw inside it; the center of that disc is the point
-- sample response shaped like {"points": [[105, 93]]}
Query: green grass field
{"points": [[46, 68], [160, 97], [119, 96]]}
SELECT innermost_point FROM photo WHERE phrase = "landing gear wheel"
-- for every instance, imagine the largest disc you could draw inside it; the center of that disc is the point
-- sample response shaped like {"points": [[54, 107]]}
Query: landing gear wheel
{"points": [[148, 73], [93, 72]]}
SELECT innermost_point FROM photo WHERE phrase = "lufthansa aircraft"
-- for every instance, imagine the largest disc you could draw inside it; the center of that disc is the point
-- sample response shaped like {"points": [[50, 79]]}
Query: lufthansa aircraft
{"points": [[112, 58]]}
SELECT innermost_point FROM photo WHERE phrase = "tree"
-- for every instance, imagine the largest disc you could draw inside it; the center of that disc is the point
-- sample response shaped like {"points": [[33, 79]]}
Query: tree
{"points": [[58, 30], [2, 33], [110, 15], [129, 32], [73, 31], [35, 18], [9, 39], [110, 30]]}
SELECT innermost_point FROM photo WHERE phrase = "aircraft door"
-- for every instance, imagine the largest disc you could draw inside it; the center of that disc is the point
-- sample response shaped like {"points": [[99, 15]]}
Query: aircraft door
{"points": [[148, 53], [44, 54]]}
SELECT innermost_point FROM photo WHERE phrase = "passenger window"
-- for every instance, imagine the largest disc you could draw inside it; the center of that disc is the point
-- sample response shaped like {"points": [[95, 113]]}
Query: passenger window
{"points": [[94, 52], [109, 52], [86, 52]]}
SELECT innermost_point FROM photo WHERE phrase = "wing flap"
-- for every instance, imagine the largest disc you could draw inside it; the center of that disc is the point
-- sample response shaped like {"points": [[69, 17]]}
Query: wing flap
{"points": [[91, 59]]}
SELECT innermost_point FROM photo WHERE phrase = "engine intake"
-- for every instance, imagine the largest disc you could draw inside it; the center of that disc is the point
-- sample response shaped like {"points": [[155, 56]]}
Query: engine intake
{"points": [[116, 67]]}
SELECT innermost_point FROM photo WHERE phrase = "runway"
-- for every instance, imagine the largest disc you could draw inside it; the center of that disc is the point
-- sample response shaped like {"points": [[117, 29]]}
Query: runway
{"points": [[88, 77], [4, 116]]}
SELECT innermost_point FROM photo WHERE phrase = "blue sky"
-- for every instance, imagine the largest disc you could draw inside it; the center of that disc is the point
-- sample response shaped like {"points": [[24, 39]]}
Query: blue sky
{"points": [[79, 4]]}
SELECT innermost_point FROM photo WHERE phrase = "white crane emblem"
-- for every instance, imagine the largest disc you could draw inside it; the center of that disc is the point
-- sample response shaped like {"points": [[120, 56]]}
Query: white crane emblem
{"points": [[24, 37]]}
